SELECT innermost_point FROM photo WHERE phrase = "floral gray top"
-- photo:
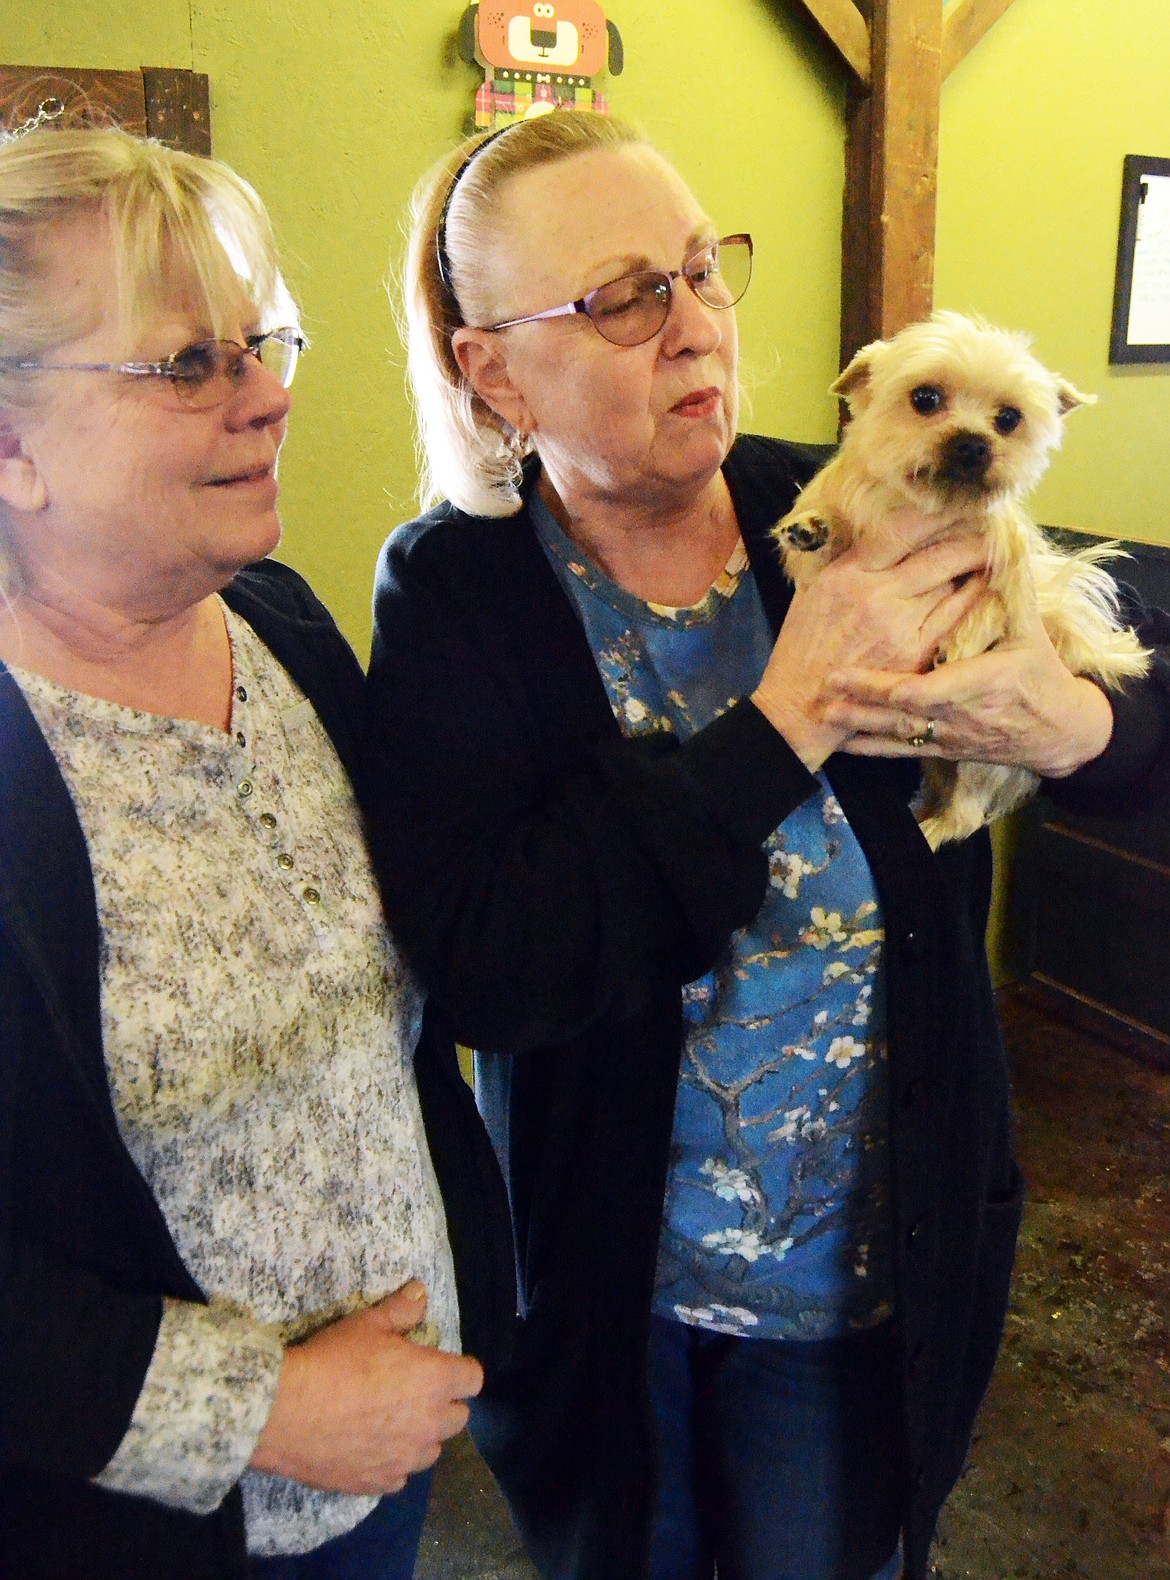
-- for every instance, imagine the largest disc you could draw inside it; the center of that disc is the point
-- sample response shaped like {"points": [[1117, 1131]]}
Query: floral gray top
{"points": [[258, 1029]]}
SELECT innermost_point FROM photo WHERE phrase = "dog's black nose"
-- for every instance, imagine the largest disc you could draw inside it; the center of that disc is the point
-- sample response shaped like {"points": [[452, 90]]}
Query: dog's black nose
{"points": [[966, 456]]}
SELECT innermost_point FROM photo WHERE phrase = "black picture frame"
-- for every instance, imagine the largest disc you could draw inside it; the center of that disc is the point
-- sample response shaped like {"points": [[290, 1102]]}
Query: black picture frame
{"points": [[1133, 191]]}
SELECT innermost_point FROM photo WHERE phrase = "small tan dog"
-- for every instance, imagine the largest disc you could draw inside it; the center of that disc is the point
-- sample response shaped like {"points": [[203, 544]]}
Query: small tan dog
{"points": [[958, 419]]}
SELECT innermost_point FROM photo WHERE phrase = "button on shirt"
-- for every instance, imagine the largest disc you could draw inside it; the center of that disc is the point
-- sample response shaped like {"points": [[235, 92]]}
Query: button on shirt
{"points": [[776, 1220], [258, 1028]]}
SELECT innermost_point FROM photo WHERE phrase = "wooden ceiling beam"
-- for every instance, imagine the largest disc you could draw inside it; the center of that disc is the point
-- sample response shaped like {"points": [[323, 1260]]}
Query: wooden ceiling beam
{"points": [[891, 176], [898, 53], [845, 27], [964, 24]]}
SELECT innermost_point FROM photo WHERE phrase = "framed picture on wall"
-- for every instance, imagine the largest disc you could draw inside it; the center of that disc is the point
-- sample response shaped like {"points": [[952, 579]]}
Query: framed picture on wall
{"points": [[1141, 296]]}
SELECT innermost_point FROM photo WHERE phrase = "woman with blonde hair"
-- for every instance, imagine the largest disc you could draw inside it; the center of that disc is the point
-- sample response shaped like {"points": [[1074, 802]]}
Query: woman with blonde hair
{"points": [[227, 1297], [736, 1043]]}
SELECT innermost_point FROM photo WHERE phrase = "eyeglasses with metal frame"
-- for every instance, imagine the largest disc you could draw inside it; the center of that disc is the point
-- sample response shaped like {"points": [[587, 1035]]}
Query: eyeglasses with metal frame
{"points": [[202, 375], [633, 308]]}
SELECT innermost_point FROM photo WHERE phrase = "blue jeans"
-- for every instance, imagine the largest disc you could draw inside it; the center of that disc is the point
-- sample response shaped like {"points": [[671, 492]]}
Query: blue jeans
{"points": [[777, 1460], [383, 1547]]}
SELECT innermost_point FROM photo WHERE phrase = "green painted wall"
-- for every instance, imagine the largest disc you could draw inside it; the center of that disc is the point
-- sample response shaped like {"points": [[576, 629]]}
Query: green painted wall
{"points": [[332, 109], [1036, 122]]}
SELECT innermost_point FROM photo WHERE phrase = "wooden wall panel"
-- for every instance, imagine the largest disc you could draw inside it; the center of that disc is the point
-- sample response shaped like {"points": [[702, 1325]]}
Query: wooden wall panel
{"points": [[100, 96], [170, 104], [178, 110], [1090, 896]]}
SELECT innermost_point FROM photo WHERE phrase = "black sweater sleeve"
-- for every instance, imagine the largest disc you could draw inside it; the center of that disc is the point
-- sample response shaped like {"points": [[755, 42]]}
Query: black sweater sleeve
{"points": [[76, 1347], [76, 1353]]}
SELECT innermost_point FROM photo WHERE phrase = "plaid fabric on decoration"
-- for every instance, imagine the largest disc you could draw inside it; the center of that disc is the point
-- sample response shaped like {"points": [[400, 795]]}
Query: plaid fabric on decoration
{"points": [[502, 100], [483, 107]]}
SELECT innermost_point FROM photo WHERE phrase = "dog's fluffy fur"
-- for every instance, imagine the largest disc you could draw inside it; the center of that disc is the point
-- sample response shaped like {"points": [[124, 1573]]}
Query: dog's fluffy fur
{"points": [[958, 419]]}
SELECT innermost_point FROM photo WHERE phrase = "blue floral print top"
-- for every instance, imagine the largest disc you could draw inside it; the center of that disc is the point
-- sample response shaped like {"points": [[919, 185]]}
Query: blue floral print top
{"points": [[776, 1219]]}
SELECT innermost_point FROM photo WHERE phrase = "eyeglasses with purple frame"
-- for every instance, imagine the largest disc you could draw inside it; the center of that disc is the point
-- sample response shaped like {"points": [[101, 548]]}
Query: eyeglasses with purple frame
{"points": [[633, 308]]}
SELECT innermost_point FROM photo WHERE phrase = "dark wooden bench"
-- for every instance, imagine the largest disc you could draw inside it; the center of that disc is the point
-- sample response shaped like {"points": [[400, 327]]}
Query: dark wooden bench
{"points": [[1089, 909]]}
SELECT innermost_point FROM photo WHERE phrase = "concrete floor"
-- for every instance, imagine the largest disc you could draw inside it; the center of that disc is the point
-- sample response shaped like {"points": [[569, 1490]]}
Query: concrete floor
{"points": [[1069, 1475]]}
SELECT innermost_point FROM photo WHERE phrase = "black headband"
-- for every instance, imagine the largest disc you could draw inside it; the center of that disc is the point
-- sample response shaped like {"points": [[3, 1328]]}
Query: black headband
{"points": [[441, 257]]}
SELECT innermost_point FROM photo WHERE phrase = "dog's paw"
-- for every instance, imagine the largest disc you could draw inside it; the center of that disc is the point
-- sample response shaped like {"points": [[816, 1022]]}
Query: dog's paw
{"points": [[951, 823], [941, 829], [805, 532]]}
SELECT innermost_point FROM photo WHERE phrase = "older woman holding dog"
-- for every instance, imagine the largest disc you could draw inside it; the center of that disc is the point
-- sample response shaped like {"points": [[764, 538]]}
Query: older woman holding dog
{"points": [[219, 1221], [735, 1035]]}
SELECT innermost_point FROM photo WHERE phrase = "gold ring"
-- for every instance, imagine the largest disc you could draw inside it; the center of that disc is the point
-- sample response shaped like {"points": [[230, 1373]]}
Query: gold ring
{"points": [[924, 736]]}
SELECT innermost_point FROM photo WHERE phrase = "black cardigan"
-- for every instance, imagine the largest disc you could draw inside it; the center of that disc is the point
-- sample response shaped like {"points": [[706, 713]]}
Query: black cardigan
{"points": [[555, 884], [85, 1253]]}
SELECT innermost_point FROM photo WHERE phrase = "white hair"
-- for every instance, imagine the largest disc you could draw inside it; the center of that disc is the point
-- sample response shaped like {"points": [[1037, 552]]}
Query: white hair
{"points": [[467, 452]]}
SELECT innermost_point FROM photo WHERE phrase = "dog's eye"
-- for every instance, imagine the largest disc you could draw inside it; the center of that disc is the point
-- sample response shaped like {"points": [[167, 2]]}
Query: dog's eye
{"points": [[926, 399], [1008, 419]]}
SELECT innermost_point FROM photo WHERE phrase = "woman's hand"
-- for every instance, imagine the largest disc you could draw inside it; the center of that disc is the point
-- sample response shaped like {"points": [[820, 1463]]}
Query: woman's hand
{"points": [[1016, 704], [359, 1407], [887, 604]]}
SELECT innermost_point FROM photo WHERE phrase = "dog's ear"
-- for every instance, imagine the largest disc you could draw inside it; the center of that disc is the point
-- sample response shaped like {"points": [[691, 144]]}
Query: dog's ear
{"points": [[1068, 398], [853, 384]]}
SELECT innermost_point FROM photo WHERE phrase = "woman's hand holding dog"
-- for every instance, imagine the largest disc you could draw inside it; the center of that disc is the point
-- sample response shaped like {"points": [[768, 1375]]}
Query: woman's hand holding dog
{"points": [[885, 605], [1016, 705]]}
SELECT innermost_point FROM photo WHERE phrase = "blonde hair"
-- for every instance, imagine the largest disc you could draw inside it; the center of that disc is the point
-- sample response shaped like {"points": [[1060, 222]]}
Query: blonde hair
{"points": [[177, 223], [466, 452]]}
